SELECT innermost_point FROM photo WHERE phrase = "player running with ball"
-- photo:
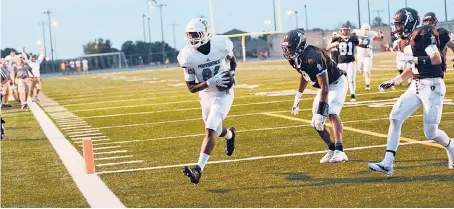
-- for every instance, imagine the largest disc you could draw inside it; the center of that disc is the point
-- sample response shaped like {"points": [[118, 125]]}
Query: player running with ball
{"points": [[206, 70], [318, 69]]}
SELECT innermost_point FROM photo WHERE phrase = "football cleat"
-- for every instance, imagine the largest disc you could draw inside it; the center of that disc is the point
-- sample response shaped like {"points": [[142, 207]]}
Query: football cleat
{"points": [[381, 167], [2, 130], [24, 106], [352, 98], [338, 157], [367, 87], [327, 157], [194, 173], [450, 151], [37, 98], [230, 143]]}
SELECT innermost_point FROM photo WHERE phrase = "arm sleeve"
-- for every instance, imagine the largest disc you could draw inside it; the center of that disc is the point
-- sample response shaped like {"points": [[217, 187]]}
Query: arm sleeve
{"points": [[189, 74]]}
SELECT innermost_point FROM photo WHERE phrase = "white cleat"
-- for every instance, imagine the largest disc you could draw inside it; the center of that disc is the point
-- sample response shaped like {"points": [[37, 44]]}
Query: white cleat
{"points": [[450, 151], [382, 167], [352, 100], [338, 157], [327, 157]]}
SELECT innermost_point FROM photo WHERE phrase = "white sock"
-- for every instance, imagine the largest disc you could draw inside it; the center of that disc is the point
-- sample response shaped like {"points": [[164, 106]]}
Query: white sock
{"points": [[389, 158], [395, 127], [442, 138], [203, 159], [228, 135], [367, 78]]}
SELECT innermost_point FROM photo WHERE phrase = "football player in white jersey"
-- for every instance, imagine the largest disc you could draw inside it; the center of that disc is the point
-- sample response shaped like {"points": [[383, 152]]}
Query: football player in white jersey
{"points": [[209, 66], [364, 50], [398, 46]]}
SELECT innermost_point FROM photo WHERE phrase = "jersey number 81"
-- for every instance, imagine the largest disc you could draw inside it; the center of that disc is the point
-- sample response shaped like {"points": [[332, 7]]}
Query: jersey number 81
{"points": [[207, 73], [345, 49]]}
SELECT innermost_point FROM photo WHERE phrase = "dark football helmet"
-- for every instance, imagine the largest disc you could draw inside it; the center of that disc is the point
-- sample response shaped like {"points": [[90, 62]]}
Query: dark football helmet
{"points": [[405, 21], [430, 18], [294, 44], [345, 31]]}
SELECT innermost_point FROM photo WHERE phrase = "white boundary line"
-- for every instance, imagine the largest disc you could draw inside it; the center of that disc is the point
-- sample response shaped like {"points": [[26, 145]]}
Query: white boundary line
{"points": [[119, 163], [253, 158], [91, 186]]}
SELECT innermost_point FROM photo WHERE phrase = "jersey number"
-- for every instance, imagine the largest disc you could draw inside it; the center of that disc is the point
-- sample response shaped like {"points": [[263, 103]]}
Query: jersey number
{"points": [[207, 73], [344, 50]]}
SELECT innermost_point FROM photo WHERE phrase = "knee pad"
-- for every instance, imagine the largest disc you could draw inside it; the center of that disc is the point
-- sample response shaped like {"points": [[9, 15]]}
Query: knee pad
{"points": [[430, 130]]}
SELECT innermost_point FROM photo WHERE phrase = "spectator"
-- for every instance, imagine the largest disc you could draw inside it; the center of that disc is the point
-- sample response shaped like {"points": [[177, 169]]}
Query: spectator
{"points": [[73, 66], [62, 68], [5, 83], [78, 66], [85, 66], [35, 80]]}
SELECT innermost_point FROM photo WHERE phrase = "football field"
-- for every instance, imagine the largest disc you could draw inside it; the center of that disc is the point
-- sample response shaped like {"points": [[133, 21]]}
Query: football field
{"points": [[146, 125]]}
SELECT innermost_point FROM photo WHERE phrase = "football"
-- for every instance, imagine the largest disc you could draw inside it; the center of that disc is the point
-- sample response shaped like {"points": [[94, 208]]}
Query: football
{"points": [[231, 81]]}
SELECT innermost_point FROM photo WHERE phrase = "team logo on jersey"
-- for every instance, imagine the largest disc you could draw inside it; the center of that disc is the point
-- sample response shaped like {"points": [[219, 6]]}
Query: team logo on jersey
{"points": [[208, 60], [433, 40], [209, 64], [432, 88]]}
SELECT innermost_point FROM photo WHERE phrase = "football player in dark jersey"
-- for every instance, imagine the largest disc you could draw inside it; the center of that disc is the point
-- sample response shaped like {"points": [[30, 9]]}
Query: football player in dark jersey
{"points": [[317, 69], [427, 89], [444, 34], [345, 44]]}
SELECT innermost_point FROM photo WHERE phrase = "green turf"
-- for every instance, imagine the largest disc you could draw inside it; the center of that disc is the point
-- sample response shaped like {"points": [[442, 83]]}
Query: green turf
{"points": [[32, 174], [161, 125]]}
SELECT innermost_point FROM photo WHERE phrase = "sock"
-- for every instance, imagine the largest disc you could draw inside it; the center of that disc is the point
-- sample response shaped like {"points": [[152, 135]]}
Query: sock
{"points": [[390, 155], [203, 159], [395, 127], [228, 135], [331, 146], [339, 146], [442, 138], [367, 78]]}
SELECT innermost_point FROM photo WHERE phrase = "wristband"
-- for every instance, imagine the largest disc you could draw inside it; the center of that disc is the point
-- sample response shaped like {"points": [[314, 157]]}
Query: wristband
{"points": [[323, 108], [298, 95], [397, 80]]}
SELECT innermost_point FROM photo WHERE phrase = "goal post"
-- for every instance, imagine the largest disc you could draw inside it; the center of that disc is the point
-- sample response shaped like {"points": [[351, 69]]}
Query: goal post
{"points": [[243, 39], [110, 60]]}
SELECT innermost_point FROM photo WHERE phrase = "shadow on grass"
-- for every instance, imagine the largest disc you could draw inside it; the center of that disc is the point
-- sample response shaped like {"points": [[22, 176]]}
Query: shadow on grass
{"points": [[314, 182]]}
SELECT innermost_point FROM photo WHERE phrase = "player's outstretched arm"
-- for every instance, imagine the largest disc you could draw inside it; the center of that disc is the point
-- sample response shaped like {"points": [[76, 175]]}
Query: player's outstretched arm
{"points": [[405, 75]]}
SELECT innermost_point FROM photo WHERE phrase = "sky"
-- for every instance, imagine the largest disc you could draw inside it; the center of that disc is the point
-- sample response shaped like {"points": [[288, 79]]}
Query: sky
{"points": [[80, 21]]}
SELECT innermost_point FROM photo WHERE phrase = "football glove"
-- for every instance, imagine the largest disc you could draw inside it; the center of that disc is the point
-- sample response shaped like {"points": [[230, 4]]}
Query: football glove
{"points": [[386, 85], [296, 103], [319, 122], [218, 80]]}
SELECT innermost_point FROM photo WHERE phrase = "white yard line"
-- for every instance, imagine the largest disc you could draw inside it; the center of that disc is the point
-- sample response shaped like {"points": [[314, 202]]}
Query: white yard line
{"points": [[119, 163], [85, 135], [111, 152], [115, 157], [253, 158], [103, 148], [92, 137], [91, 186], [93, 140], [84, 131], [74, 127]]}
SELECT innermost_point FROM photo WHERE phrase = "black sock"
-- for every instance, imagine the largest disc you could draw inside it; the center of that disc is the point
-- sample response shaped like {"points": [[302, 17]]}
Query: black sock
{"points": [[339, 146], [331, 146]]}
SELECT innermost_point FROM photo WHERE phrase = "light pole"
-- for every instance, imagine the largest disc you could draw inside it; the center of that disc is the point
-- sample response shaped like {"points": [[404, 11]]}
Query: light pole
{"points": [[368, 10], [143, 23], [378, 13], [290, 12], [305, 14], [389, 14], [44, 38], [211, 17], [162, 33], [359, 15], [50, 35], [446, 12], [406, 5], [149, 32], [174, 39], [274, 14]]}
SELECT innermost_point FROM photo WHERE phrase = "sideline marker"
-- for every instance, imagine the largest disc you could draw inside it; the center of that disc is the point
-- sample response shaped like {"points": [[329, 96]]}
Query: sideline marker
{"points": [[89, 156]]}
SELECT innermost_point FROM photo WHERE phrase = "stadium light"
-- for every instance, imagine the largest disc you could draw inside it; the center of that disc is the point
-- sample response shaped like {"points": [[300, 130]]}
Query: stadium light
{"points": [[268, 22], [38, 42], [152, 3], [290, 12], [54, 23]]}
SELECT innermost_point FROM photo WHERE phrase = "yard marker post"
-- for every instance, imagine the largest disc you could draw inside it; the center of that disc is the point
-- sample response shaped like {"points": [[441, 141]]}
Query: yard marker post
{"points": [[89, 156]]}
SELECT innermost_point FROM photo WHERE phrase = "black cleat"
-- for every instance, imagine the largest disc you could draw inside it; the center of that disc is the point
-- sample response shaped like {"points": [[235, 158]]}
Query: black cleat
{"points": [[230, 143], [193, 173], [2, 130]]}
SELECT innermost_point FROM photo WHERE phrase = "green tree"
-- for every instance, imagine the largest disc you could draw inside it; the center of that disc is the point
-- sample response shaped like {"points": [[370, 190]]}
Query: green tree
{"points": [[377, 21], [5, 52]]}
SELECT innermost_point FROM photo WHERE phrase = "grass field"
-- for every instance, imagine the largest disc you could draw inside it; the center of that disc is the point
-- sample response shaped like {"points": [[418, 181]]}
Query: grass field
{"points": [[146, 125]]}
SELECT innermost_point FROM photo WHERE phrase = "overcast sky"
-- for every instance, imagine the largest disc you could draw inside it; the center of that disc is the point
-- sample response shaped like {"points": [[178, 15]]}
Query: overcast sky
{"points": [[79, 21]]}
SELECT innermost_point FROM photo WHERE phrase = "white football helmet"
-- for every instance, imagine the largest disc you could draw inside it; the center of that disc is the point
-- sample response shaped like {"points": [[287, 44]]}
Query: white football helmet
{"points": [[365, 28], [197, 33]]}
